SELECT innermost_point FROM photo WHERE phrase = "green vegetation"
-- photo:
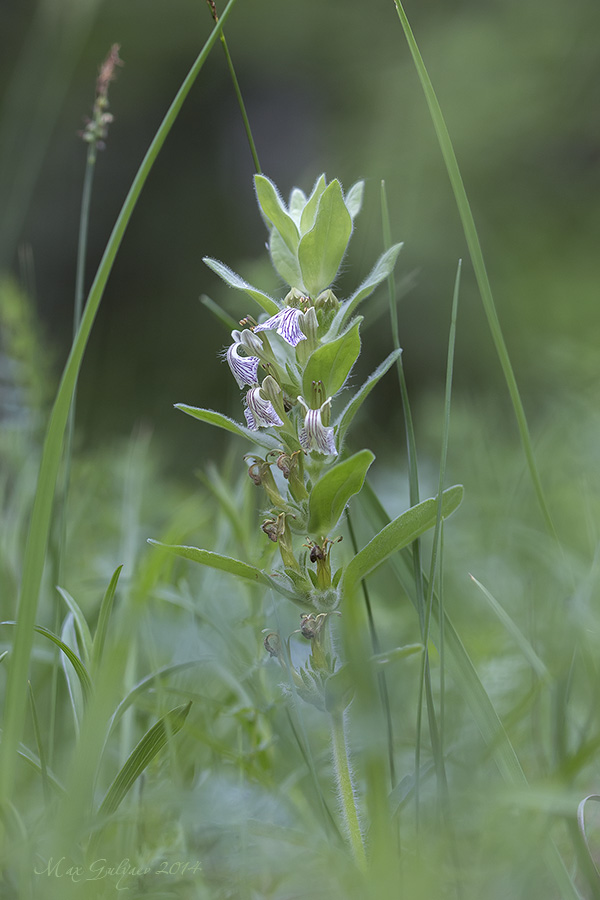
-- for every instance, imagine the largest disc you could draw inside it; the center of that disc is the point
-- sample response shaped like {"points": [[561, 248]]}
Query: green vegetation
{"points": [[422, 719]]}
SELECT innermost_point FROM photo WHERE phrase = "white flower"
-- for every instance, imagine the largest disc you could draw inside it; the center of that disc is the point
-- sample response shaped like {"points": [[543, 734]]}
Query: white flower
{"points": [[314, 435], [260, 413], [287, 323], [244, 368]]}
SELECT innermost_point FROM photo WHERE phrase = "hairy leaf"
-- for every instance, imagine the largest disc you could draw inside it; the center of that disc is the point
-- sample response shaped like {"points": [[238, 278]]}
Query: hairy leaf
{"points": [[273, 207], [333, 490], [227, 564], [332, 363], [321, 249], [399, 533], [221, 421], [236, 281]]}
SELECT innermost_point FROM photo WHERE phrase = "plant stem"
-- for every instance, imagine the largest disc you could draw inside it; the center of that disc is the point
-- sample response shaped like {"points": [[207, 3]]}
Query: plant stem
{"points": [[345, 788]]}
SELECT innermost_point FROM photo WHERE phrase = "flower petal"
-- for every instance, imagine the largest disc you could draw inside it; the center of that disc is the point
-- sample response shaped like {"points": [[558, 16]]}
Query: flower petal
{"points": [[286, 323], [260, 413], [244, 368], [314, 435]]}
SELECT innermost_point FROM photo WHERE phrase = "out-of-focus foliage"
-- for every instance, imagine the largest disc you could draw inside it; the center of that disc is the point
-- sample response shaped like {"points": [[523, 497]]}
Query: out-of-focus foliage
{"points": [[329, 87]]}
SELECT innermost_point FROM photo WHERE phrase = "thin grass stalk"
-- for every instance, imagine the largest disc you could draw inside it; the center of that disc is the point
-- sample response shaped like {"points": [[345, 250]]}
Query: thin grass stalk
{"points": [[238, 92], [37, 541], [84, 218], [439, 755], [475, 696], [413, 480], [475, 252], [381, 678]]}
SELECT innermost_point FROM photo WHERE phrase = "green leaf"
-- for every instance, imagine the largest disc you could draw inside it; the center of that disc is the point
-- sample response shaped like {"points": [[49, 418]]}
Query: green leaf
{"points": [[226, 564], [273, 208], [285, 262], [309, 213], [333, 490], [399, 533], [380, 271], [354, 198], [236, 281], [142, 755], [321, 250], [332, 362], [345, 418], [221, 421], [81, 624], [103, 619], [297, 204]]}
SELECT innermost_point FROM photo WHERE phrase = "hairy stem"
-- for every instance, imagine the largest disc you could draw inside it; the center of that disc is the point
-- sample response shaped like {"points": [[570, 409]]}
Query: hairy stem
{"points": [[345, 788]]}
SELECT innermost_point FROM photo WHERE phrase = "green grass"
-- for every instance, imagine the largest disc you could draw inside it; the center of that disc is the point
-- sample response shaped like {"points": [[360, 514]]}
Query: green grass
{"points": [[168, 740]]}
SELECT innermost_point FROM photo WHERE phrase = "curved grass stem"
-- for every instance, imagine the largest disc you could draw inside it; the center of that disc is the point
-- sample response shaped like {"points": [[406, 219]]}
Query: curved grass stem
{"points": [[39, 528]]}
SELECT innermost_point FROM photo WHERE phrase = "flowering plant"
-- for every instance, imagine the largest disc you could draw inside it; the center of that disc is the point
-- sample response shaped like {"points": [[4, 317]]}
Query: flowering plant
{"points": [[291, 364]]}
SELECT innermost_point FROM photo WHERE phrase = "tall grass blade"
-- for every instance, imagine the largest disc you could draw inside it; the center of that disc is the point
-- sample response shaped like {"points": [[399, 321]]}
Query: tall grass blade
{"points": [[513, 629], [475, 252], [35, 552], [438, 744], [471, 689]]}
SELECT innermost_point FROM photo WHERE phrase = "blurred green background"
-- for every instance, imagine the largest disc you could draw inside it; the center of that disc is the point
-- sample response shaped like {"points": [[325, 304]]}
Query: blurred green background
{"points": [[329, 87]]}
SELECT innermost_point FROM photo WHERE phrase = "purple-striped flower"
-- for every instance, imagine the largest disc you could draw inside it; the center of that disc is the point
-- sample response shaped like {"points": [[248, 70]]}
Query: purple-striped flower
{"points": [[314, 435], [260, 413], [244, 368], [286, 323]]}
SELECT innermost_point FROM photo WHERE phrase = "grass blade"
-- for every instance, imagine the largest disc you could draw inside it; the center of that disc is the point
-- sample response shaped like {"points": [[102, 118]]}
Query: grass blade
{"points": [[37, 541], [81, 624], [142, 755], [528, 652], [475, 252], [103, 620], [40, 745]]}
